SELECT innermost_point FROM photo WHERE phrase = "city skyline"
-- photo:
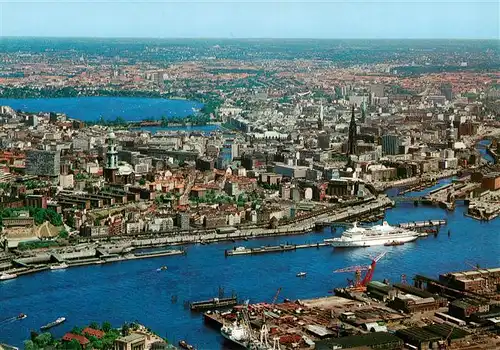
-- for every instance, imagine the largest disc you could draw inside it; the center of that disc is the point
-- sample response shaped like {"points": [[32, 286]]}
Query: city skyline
{"points": [[239, 20]]}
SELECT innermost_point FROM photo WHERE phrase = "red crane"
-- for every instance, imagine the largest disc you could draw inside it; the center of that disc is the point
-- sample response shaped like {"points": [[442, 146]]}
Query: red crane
{"points": [[359, 284]]}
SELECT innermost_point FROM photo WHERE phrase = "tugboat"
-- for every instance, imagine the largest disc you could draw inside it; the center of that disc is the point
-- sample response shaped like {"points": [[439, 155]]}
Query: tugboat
{"points": [[302, 274], [163, 268], [53, 324], [185, 345]]}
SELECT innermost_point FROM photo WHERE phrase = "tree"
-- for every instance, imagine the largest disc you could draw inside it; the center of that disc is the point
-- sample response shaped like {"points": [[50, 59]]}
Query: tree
{"points": [[70, 220], [29, 345], [42, 340], [94, 325], [142, 181], [72, 345], [63, 234], [125, 329], [76, 330], [106, 326]]}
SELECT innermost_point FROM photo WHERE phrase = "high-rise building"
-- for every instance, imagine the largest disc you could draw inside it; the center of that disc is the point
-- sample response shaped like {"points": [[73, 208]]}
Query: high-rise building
{"points": [[390, 144], [447, 91], [363, 112], [377, 90], [111, 168], [351, 141], [324, 140], [43, 163]]}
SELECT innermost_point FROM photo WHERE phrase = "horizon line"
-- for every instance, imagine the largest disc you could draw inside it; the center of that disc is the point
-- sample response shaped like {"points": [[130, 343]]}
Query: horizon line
{"points": [[230, 38]]}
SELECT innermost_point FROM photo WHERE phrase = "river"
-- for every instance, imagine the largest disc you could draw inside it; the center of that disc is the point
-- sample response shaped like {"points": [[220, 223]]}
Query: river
{"points": [[92, 108], [134, 290]]}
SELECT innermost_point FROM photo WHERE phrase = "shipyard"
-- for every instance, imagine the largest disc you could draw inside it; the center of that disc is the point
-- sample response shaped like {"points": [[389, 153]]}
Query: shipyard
{"points": [[373, 314]]}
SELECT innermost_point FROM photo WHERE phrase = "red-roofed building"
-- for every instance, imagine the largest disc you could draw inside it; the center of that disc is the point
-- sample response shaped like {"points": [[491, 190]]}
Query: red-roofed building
{"points": [[79, 338], [93, 332]]}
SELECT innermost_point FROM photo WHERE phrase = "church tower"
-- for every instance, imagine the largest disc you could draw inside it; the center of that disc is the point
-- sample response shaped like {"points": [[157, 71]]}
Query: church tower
{"points": [[111, 168], [351, 142]]}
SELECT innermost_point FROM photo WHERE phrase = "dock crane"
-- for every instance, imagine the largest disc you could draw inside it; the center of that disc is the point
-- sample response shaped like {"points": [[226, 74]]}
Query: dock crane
{"points": [[443, 344], [359, 284]]}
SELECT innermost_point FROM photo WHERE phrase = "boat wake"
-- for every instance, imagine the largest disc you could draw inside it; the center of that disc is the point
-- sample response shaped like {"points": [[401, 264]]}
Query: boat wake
{"points": [[9, 320]]}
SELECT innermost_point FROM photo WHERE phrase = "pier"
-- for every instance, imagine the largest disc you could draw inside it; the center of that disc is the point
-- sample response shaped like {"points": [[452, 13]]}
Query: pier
{"points": [[422, 224], [213, 303], [272, 249]]}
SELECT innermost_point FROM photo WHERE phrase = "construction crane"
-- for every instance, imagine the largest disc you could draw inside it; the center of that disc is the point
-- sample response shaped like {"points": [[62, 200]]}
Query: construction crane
{"points": [[443, 344], [359, 283]]}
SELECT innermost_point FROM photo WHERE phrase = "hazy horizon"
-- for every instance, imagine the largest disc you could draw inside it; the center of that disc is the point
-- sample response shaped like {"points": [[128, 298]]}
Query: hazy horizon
{"points": [[343, 20], [238, 38]]}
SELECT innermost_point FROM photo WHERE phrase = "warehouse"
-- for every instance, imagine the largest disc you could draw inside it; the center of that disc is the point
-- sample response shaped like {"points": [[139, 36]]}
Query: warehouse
{"points": [[378, 340]]}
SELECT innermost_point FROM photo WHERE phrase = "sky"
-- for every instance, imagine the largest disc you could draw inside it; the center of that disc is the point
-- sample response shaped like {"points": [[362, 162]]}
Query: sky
{"points": [[369, 19]]}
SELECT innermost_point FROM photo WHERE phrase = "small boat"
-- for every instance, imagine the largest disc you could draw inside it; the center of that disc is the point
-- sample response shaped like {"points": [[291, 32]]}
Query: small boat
{"points": [[163, 268], [302, 274], [53, 324], [61, 266], [7, 276], [185, 345], [393, 243], [22, 316]]}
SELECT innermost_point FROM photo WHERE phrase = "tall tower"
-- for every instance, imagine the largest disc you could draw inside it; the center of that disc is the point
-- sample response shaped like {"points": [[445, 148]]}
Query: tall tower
{"points": [[321, 119], [111, 167], [363, 112], [351, 142], [450, 135]]}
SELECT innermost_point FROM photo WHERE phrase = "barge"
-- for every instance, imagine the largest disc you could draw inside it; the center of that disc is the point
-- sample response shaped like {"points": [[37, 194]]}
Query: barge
{"points": [[271, 249]]}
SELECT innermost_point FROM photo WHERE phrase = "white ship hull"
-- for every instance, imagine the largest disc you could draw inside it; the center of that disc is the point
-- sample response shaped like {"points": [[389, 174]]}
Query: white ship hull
{"points": [[6, 276], [376, 235], [59, 267], [372, 242], [241, 343]]}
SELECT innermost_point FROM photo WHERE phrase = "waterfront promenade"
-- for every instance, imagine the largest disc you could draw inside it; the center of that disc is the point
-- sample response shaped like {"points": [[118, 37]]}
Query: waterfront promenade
{"points": [[122, 248]]}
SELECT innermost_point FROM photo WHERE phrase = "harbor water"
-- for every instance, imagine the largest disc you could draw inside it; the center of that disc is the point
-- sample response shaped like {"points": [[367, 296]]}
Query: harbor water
{"points": [[135, 290]]}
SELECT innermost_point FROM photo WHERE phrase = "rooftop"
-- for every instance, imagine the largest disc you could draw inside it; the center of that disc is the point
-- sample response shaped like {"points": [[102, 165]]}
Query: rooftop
{"points": [[370, 339], [131, 338]]}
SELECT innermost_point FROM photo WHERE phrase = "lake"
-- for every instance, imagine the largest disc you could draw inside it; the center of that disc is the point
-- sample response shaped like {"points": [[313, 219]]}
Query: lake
{"points": [[92, 108]]}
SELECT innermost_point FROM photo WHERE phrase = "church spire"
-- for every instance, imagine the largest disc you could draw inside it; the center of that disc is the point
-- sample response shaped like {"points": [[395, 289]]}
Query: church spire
{"points": [[351, 142]]}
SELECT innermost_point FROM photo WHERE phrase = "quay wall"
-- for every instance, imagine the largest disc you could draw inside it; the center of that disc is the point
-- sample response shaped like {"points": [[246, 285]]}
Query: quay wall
{"points": [[297, 228]]}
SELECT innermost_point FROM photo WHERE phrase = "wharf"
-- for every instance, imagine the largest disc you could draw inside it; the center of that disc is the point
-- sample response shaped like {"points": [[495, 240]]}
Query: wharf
{"points": [[422, 224], [167, 252], [272, 249]]}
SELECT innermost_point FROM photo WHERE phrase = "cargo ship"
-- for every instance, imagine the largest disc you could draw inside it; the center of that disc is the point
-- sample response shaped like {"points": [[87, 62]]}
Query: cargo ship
{"points": [[213, 303]]}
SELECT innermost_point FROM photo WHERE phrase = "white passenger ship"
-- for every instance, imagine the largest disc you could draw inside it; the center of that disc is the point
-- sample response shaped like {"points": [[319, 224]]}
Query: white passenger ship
{"points": [[376, 235]]}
